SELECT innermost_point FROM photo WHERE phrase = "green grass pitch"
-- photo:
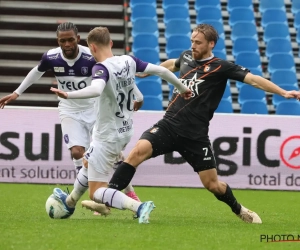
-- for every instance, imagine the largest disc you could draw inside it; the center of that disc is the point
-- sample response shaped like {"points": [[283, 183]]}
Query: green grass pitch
{"points": [[183, 219]]}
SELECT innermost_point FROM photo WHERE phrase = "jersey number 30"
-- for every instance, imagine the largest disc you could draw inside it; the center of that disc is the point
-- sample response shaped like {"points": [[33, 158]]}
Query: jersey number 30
{"points": [[121, 98]]}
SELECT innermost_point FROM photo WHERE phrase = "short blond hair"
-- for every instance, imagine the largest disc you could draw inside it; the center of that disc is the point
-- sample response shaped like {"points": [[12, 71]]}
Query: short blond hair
{"points": [[99, 36]]}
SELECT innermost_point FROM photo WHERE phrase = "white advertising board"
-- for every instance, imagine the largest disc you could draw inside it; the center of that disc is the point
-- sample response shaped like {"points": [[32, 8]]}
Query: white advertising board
{"points": [[252, 151]]}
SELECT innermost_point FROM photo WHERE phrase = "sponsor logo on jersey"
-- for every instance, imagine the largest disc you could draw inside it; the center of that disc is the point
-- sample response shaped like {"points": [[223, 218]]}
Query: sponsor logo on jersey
{"points": [[206, 158], [188, 57], [71, 72], [192, 84], [87, 57], [99, 72], [59, 69], [124, 70], [53, 57], [70, 85], [154, 130], [66, 138], [206, 68], [84, 70]]}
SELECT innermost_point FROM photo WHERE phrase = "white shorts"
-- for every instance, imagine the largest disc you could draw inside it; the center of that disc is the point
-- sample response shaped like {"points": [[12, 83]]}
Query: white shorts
{"points": [[102, 156], [77, 127]]}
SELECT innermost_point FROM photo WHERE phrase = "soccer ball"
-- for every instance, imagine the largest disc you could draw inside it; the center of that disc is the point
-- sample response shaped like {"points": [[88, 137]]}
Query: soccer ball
{"points": [[55, 209]]}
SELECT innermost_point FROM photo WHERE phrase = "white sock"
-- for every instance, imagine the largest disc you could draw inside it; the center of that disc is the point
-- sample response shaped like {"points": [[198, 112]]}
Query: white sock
{"points": [[80, 186], [78, 164], [129, 188], [114, 198]]}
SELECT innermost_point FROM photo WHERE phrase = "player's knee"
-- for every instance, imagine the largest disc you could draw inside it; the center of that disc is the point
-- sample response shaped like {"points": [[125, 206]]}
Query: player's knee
{"points": [[141, 151], [212, 186], [77, 152]]}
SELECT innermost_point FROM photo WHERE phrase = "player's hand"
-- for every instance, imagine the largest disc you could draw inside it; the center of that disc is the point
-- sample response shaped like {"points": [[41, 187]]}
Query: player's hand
{"points": [[292, 94], [137, 105], [59, 93], [187, 94], [7, 99], [142, 75]]}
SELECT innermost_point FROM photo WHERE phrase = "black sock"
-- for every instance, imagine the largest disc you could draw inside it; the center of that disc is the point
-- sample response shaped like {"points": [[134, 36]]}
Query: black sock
{"points": [[122, 176], [230, 200]]}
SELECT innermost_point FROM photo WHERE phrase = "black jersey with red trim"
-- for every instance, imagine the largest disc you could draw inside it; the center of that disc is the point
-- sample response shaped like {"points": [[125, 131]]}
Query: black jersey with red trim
{"points": [[207, 80]]}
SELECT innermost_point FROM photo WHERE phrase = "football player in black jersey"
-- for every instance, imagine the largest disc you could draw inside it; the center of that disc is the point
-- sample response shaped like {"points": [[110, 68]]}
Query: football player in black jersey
{"points": [[184, 127]]}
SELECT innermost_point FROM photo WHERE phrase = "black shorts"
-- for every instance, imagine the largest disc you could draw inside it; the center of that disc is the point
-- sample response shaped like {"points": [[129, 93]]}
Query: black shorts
{"points": [[198, 154]]}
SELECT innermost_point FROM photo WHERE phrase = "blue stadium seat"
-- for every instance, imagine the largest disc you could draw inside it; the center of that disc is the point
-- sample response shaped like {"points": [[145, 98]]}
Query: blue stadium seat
{"points": [[148, 55], [243, 29], [174, 53], [245, 44], [148, 78], [256, 72], [220, 46], [177, 27], [254, 107], [267, 4], [152, 103], [227, 93], [143, 11], [297, 21], [288, 108], [225, 106], [241, 15], [220, 54], [278, 45], [295, 6], [218, 25], [204, 3], [276, 30], [281, 61], [232, 4], [276, 99], [145, 41], [209, 13], [248, 92], [285, 77], [176, 11], [178, 42], [273, 15], [249, 60], [298, 38], [152, 88], [183, 3], [138, 27], [132, 3]]}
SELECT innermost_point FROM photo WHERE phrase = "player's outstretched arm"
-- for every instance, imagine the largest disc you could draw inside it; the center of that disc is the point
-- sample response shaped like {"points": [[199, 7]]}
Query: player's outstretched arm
{"points": [[167, 75], [59, 93], [266, 85], [94, 90], [31, 77], [7, 99]]}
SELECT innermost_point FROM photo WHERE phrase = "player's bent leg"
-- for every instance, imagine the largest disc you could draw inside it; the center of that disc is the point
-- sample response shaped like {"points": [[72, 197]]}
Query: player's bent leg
{"points": [[61, 196], [117, 199], [80, 187], [126, 170], [129, 190], [223, 192], [77, 154]]}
